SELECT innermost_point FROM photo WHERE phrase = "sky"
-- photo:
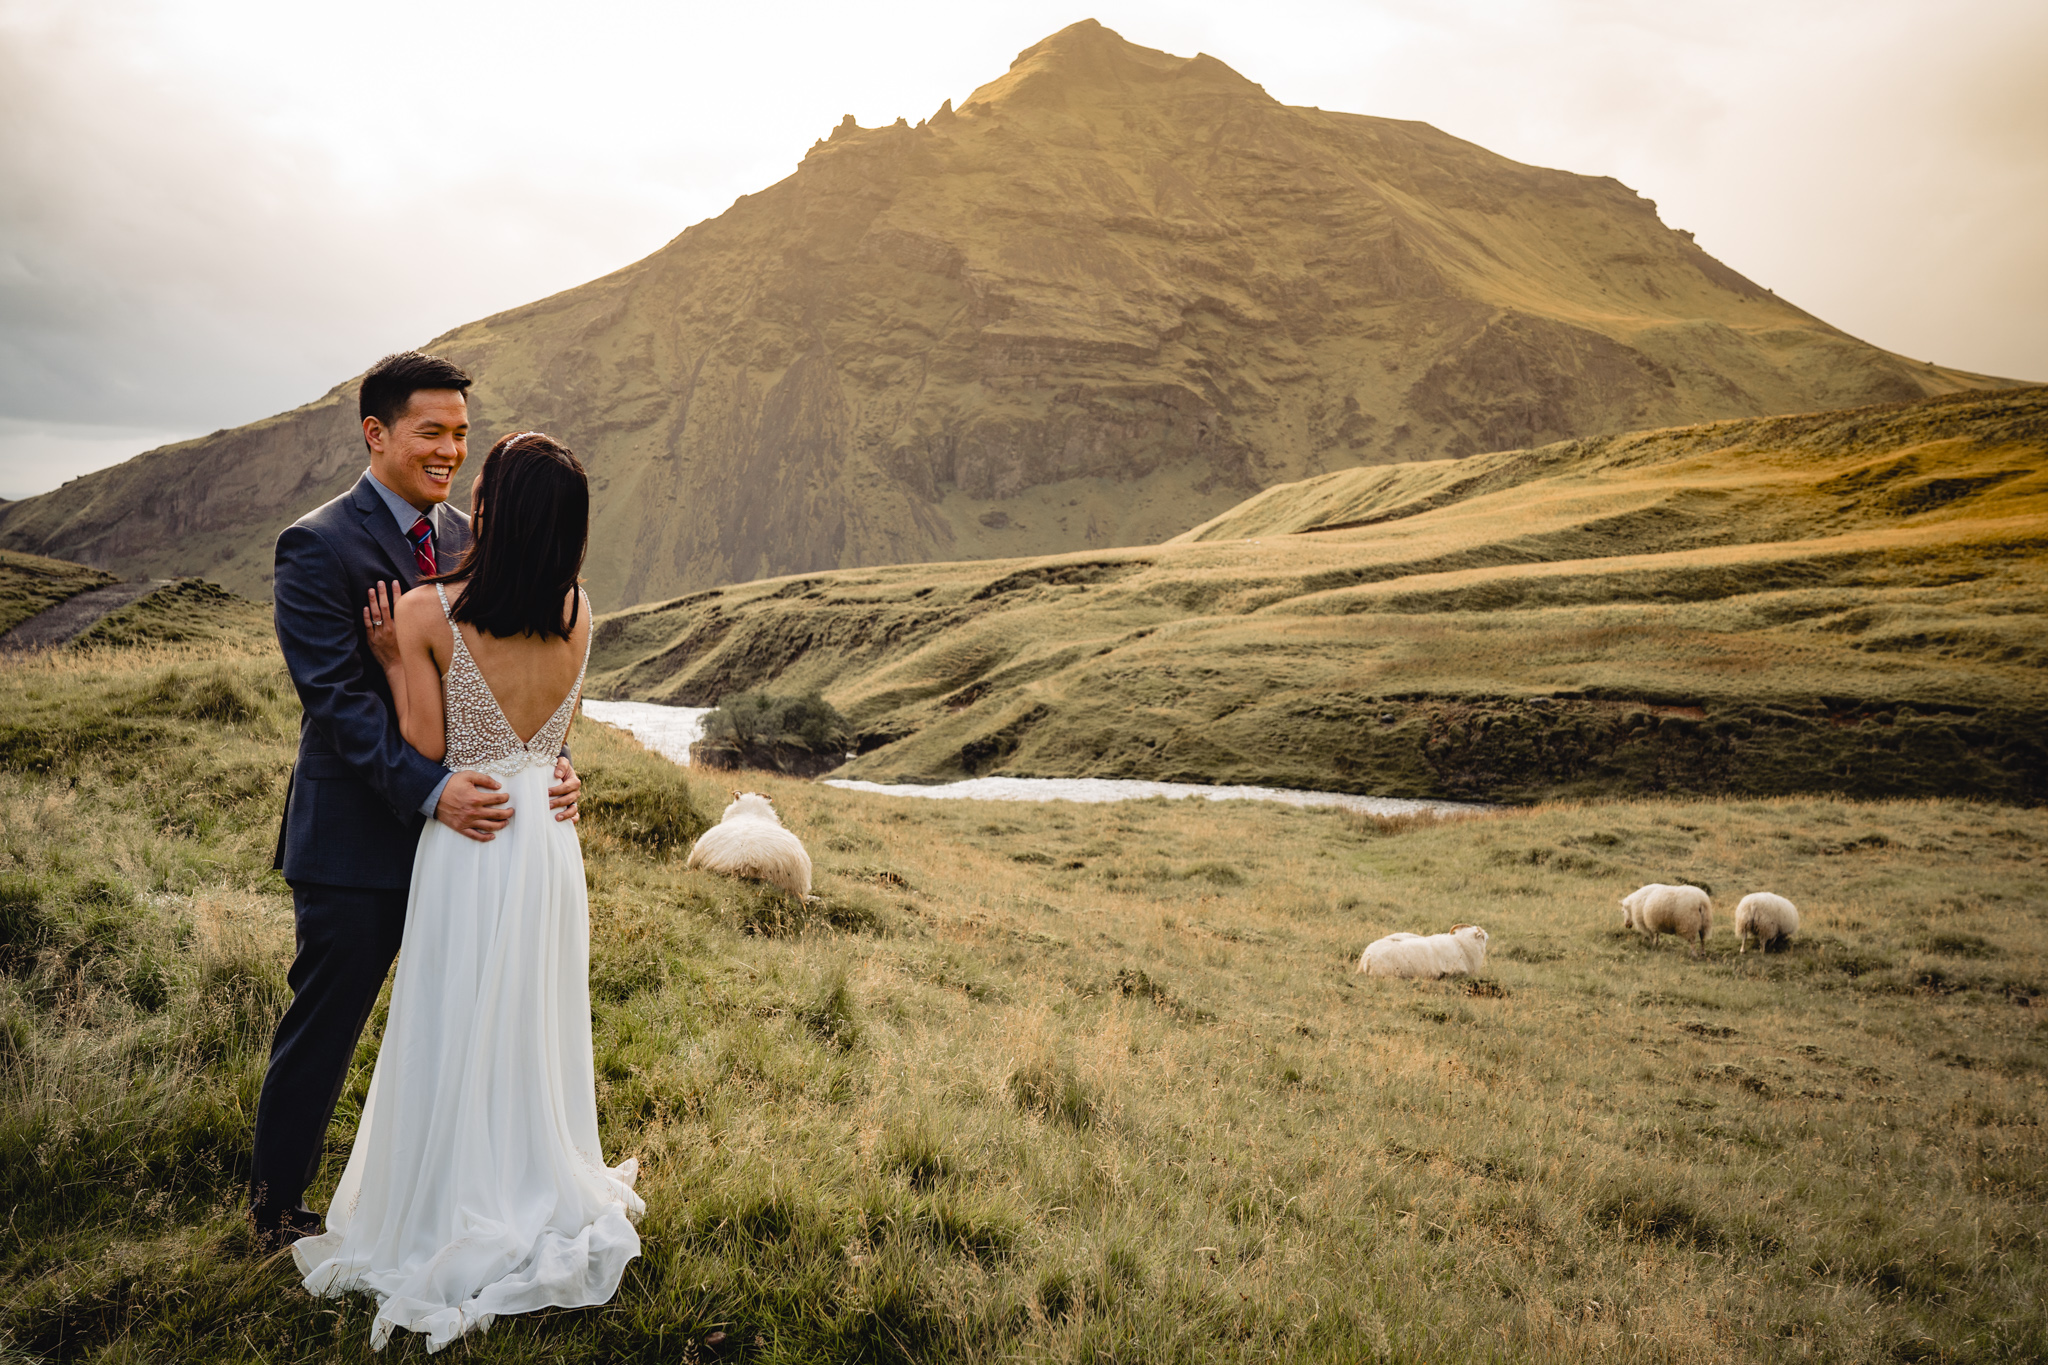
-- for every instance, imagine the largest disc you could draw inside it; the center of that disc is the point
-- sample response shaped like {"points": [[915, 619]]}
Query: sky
{"points": [[214, 210]]}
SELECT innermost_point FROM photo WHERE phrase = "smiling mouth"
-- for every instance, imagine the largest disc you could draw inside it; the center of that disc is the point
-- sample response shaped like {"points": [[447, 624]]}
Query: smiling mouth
{"points": [[439, 473]]}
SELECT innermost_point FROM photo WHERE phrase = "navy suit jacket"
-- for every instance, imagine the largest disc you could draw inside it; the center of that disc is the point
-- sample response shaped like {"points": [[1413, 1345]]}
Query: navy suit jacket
{"points": [[352, 812]]}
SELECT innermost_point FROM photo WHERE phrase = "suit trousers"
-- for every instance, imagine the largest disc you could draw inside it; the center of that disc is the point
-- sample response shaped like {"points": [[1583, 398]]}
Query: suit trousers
{"points": [[347, 939]]}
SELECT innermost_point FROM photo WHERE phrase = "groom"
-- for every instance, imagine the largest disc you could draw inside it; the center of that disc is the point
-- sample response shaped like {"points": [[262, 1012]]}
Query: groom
{"points": [[359, 794]]}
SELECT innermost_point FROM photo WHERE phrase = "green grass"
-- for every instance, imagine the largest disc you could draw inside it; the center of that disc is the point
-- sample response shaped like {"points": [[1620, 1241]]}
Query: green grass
{"points": [[187, 611], [1842, 602], [1076, 1083], [30, 584]]}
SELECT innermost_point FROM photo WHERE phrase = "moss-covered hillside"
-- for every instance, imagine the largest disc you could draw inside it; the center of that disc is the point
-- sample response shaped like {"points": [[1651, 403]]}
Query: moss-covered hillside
{"points": [[1845, 601], [32, 584]]}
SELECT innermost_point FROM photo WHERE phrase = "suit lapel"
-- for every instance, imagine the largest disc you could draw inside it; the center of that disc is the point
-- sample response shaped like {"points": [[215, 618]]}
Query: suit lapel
{"points": [[451, 538], [383, 529]]}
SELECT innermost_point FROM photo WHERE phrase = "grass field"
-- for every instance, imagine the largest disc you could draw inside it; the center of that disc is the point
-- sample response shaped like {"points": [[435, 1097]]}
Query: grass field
{"points": [[1839, 602], [1073, 1083]]}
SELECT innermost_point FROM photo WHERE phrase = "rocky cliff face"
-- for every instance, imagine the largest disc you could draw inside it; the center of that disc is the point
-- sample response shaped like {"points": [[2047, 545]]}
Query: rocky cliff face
{"points": [[1108, 297]]}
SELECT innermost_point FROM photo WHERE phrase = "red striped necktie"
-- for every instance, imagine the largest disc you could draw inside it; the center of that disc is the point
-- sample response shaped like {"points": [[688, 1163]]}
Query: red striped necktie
{"points": [[422, 537]]}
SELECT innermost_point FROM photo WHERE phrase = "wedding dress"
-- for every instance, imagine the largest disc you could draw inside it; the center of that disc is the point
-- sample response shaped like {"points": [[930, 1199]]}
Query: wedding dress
{"points": [[476, 1186]]}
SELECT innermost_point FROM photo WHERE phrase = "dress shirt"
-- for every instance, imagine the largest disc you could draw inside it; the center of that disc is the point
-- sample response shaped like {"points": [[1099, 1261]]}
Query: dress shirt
{"points": [[405, 514]]}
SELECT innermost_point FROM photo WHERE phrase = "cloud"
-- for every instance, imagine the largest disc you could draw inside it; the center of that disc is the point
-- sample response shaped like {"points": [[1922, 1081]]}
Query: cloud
{"points": [[211, 210], [38, 456], [170, 255], [1882, 163]]}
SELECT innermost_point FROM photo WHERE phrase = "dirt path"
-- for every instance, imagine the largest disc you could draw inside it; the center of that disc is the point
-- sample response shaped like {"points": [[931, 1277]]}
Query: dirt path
{"points": [[75, 615]]}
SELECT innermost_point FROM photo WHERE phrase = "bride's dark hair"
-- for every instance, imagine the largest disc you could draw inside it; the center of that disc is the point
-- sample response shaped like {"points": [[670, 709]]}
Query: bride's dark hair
{"points": [[532, 502]]}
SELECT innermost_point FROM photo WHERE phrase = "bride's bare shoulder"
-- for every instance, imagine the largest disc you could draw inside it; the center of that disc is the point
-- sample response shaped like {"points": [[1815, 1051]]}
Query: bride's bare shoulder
{"points": [[421, 598], [421, 608]]}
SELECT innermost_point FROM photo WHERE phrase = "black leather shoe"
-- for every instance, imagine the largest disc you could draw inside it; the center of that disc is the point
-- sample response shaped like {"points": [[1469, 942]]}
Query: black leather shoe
{"points": [[276, 1229]]}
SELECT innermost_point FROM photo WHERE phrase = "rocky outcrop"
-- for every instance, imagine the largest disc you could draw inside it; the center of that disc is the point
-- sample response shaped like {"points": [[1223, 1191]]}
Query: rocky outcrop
{"points": [[1109, 296]]}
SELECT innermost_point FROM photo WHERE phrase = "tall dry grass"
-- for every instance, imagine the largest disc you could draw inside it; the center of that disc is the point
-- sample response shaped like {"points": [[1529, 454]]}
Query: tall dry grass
{"points": [[1078, 1083]]}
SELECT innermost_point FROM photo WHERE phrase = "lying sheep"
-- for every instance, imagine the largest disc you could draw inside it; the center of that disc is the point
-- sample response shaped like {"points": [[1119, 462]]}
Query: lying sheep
{"points": [[1772, 919], [749, 841], [1461, 952], [1659, 909]]}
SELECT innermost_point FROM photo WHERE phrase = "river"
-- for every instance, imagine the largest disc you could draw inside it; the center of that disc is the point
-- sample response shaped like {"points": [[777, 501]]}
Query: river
{"points": [[670, 730]]}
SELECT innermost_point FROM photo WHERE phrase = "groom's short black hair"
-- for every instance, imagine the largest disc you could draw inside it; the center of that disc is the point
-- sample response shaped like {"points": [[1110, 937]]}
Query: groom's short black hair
{"points": [[392, 382]]}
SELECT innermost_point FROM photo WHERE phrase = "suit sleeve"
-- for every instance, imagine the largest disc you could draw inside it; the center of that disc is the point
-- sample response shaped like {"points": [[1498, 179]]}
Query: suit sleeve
{"points": [[319, 634]]}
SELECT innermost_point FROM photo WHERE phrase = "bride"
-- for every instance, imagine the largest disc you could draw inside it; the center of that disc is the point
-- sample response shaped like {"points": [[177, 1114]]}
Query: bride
{"points": [[476, 1186]]}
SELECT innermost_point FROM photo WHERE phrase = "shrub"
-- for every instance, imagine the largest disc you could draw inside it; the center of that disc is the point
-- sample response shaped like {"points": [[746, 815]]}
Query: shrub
{"points": [[759, 718]]}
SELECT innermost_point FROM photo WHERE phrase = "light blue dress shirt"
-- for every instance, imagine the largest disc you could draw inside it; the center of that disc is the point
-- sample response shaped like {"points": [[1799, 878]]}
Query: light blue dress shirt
{"points": [[405, 514]]}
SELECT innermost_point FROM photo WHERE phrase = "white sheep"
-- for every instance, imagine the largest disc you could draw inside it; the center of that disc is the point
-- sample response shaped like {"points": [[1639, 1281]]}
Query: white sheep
{"points": [[749, 841], [1685, 911], [1772, 919], [1461, 952]]}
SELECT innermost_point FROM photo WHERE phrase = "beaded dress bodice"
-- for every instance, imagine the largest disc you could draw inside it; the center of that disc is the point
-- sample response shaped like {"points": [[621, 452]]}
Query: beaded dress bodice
{"points": [[480, 739]]}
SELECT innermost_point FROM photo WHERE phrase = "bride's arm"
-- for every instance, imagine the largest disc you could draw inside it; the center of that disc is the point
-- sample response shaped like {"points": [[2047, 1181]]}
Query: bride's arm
{"points": [[416, 683], [380, 624]]}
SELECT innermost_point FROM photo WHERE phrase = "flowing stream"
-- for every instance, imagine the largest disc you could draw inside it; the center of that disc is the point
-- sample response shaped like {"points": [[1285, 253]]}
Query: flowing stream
{"points": [[670, 730]]}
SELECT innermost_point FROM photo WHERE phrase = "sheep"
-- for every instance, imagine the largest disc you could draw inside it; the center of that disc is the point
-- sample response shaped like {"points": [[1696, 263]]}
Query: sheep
{"points": [[1461, 952], [1686, 911], [1772, 919], [749, 841]]}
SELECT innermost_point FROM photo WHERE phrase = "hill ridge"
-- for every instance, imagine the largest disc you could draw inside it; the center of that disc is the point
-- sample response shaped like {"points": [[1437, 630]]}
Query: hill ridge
{"points": [[1845, 602], [1105, 299]]}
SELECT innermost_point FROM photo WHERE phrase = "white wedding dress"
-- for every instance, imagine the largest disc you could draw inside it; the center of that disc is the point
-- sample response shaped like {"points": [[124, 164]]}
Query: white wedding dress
{"points": [[476, 1186]]}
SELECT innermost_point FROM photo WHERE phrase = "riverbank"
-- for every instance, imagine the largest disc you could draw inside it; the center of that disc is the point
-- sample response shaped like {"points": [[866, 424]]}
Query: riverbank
{"points": [[1848, 602]]}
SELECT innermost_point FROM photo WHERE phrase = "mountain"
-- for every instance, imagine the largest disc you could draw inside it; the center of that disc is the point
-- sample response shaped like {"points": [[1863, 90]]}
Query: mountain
{"points": [[1110, 295], [1851, 602]]}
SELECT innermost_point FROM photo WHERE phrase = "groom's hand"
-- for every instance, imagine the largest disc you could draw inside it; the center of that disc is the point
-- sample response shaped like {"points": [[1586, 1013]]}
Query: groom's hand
{"points": [[568, 787], [472, 804]]}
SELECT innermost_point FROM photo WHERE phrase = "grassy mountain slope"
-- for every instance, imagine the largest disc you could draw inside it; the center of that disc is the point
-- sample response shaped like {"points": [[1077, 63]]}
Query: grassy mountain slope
{"points": [[1845, 601], [1112, 294], [32, 584]]}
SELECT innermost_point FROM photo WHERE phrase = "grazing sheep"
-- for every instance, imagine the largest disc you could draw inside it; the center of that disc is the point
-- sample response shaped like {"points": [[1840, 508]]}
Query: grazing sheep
{"points": [[1659, 909], [1772, 919], [1461, 952], [749, 841]]}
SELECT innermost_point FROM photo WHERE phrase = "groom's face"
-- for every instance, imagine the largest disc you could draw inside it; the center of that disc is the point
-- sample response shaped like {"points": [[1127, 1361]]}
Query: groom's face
{"points": [[417, 455]]}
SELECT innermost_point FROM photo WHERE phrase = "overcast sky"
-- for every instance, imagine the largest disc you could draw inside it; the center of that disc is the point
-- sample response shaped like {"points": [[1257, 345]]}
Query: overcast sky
{"points": [[213, 210]]}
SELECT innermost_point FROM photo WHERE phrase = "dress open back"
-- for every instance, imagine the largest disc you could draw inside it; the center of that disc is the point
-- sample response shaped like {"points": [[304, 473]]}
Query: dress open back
{"points": [[476, 1186]]}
